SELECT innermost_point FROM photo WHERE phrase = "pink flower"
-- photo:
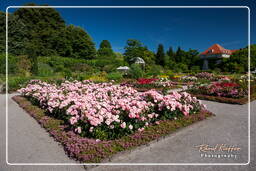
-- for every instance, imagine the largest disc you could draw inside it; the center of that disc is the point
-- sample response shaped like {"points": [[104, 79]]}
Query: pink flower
{"points": [[123, 125], [141, 129], [78, 130], [91, 129], [73, 120], [130, 127]]}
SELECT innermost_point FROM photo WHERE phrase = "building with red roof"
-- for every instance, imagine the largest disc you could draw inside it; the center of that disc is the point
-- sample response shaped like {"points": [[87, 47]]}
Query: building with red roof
{"points": [[215, 52]]}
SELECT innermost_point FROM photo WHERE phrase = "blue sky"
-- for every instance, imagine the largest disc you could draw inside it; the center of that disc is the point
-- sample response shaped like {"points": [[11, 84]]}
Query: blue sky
{"points": [[187, 28]]}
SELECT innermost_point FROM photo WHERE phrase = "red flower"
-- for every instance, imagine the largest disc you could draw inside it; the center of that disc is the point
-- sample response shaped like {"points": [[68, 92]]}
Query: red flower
{"points": [[146, 80]]}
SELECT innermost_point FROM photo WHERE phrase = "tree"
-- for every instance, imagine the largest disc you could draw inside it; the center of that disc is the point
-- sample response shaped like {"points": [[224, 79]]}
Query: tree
{"points": [[135, 48], [80, 42], [238, 61], [34, 19], [160, 55], [192, 58], [53, 37], [2, 32], [178, 55], [171, 54], [105, 50]]}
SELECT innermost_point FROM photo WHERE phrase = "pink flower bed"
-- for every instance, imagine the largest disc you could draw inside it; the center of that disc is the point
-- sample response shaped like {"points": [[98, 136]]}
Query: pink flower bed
{"points": [[220, 89], [106, 111]]}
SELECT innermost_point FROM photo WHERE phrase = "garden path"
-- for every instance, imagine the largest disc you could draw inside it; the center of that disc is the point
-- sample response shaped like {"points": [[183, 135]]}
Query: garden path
{"points": [[229, 126], [28, 142]]}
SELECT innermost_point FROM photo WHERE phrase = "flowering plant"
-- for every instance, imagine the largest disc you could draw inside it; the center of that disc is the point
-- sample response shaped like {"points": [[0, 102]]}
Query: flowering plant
{"points": [[221, 88], [147, 80], [188, 78], [107, 111], [205, 75]]}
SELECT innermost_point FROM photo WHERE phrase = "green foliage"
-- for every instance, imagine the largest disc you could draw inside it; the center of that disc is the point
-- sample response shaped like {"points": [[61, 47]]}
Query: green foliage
{"points": [[135, 48], [44, 70], [171, 54], [15, 83], [105, 50], [160, 55], [2, 32], [238, 62], [181, 67], [136, 71], [195, 68], [23, 65], [25, 33], [155, 70], [80, 42], [116, 76]]}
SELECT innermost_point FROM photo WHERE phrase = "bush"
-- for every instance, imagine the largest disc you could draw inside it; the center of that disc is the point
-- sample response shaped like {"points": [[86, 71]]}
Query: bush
{"points": [[109, 68], [15, 83], [12, 64], [135, 71], [99, 77], [155, 70], [116, 76], [195, 68], [180, 67], [81, 67], [44, 70]]}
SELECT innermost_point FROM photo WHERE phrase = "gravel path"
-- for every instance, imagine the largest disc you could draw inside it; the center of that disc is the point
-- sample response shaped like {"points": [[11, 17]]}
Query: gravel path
{"points": [[28, 142]]}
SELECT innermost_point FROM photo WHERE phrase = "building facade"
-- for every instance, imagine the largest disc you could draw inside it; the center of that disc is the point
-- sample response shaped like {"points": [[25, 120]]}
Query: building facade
{"points": [[215, 52]]}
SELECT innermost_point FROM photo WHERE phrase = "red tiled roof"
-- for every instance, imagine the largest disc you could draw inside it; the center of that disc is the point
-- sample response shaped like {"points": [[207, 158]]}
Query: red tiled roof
{"points": [[217, 49]]}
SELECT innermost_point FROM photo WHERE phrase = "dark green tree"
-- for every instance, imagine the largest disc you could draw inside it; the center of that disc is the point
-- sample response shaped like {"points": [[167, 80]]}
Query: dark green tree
{"points": [[135, 48], [46, 23], [178, 55], [238, 61], [2, 32], [105, 50], [171, 54], [81, 43], [160, 55]]}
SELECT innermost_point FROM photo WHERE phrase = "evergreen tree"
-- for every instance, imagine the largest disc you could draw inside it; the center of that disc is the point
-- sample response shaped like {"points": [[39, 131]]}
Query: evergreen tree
{"points": [[105, 50], [160, 55], [135, 48], [178, 55], [80, 42], [171, 54]]}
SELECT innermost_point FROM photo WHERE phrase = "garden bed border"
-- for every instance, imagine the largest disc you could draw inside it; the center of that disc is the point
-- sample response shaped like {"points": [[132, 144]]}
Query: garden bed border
{"points": [[105, 151]]}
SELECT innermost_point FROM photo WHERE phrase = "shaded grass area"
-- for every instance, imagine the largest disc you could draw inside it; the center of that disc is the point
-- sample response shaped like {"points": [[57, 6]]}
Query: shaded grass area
{"points": [[92, 151]]}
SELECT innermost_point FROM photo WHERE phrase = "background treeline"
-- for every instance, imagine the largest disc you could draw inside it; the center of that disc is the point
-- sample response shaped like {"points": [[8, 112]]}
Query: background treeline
{"points": [[41, 43]]}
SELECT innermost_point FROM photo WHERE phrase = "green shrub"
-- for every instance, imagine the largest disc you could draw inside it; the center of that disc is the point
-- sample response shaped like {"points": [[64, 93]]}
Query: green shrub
{"points": [[195, 69], [15, 83], [135, 71], [116, 76], [180, 67], [155, 70], [12, 64], [109, 68], [44, 70]]}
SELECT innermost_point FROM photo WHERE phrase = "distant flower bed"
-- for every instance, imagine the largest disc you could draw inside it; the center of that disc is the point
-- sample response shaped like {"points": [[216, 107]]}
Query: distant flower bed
{"points": [[221, 89], [106, 111], [205, 75], [188, 78]]}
